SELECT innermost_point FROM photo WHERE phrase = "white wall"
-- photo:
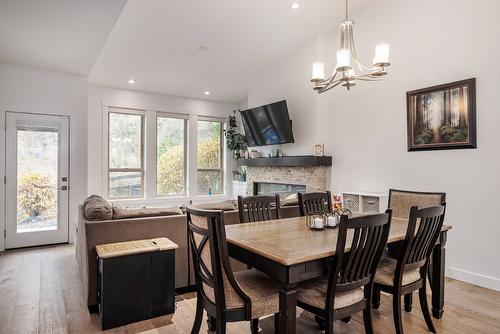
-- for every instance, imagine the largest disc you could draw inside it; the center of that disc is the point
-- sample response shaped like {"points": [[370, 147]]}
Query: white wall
{"points": [[432, 42], [104, 96], [286, 82], [38, 91]]}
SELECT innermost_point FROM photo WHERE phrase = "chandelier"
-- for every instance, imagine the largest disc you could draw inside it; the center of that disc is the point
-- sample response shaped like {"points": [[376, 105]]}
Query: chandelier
{"points": [[345, 73]]}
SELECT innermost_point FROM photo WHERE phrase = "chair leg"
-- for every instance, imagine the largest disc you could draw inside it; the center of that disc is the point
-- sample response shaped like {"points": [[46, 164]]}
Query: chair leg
{"points": [[198, 317], [276, 323], [396, 312], [408, 302], [321, 323], [220, 327], [211, 324], [376, 298], [254, 326], [422, 296], [329, 326], [367, 320]]}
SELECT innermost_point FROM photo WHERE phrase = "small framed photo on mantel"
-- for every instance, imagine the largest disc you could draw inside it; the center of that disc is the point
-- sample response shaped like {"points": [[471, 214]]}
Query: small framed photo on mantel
{"points": [[442, 117], [319, 150]]}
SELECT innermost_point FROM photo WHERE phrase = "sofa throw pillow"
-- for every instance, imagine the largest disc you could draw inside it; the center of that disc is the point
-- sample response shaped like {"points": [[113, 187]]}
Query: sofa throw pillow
{"points": [[97, 208], [228, 205], [120, 212], [290, 200]]}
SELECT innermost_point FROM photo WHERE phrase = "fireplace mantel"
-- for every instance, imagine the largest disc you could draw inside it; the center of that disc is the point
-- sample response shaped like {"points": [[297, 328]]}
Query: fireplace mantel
{"points": [[289, 161]]}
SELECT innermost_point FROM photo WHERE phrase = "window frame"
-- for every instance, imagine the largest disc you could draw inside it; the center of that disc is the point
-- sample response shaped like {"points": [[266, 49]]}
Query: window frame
{"points": [[109, 170], [185, 117], [222, 154]]}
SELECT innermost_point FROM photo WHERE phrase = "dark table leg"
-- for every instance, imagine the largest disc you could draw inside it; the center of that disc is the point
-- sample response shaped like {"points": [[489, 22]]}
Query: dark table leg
{"points": [[288, 311], [438, 276]]}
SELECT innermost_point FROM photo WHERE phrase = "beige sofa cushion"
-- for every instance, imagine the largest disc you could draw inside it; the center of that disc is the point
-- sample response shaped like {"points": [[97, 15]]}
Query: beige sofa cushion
{"points": [[292, 199], [97, 208], [120, 212], [224, 206]]}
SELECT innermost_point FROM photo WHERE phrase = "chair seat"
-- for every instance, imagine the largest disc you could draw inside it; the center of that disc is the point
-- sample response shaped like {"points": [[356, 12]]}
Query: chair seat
{"points": [[386, 270], [314, 294], [263, 292]]}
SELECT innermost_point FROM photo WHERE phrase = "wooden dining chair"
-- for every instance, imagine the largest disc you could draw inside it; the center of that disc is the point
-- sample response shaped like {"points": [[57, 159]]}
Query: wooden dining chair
{"points": [[258, 208], [226, 296], [401, 201], [348, 288], [314, 203], [408, 272]]}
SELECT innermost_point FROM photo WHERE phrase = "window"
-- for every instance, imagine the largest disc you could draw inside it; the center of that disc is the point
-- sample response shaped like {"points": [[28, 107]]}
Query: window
{"points": [[210, 157], [125, 158], [170, 156]]}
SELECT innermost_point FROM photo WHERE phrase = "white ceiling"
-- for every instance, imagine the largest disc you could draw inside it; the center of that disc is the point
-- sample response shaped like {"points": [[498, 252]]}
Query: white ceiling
{"points": [[156, 41], [61, 35]]}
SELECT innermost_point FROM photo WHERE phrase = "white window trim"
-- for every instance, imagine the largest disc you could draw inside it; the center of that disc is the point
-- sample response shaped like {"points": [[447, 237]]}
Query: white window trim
{"points": [[105, 129], [154, 168], [224, 162], [191, 138]]}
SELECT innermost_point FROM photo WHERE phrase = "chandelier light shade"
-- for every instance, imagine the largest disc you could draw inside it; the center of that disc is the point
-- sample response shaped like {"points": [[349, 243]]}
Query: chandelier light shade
{"points": [[349, 68]]}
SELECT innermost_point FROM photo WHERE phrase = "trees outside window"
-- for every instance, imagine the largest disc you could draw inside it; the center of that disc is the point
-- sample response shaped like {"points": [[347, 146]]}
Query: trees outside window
{"points": [[148, 154], [126, 157], [170, 156], [210, 157]]}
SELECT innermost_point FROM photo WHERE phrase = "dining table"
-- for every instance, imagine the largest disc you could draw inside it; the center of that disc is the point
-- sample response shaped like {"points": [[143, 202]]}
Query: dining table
{"points": [[289, 252]]}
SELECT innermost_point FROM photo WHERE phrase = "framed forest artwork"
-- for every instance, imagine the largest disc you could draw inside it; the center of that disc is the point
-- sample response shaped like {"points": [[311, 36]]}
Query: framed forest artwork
{"points": [[442, 117]]}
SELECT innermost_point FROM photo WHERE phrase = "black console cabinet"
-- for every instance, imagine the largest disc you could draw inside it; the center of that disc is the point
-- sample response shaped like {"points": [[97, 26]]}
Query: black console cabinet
{"points": [[135, 286]]}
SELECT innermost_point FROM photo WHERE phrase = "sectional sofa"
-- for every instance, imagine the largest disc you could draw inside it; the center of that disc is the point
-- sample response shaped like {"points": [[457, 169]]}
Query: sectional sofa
{"points": [[90, 233]]}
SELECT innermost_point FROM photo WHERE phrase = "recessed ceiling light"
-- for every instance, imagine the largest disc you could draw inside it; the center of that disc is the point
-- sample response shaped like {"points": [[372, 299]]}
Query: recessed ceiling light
{"points": [[131, 81], [295, 5], [206, 92]]}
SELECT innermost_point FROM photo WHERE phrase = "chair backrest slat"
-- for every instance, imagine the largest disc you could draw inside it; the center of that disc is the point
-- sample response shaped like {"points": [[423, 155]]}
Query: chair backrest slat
{"points": [[315, 203], [258, 208], [356, 268], [420, 241]]}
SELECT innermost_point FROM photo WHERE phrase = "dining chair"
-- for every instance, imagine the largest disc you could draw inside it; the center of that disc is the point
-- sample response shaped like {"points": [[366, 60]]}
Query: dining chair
{"points": [[401, 201], [224, 295], [348, 288], [258, 208], [314, 203], [408, 272]]}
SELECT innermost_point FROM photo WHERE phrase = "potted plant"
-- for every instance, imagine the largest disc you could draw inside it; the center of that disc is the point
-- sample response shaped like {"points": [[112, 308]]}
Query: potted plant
{"points": [[235, 140]]}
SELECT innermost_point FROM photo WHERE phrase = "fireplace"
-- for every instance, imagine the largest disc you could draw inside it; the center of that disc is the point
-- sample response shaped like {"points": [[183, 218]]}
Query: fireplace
{"points": [[282, 189], [285, 179]]}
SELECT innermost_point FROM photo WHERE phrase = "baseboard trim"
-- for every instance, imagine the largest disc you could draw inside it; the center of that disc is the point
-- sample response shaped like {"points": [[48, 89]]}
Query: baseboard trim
{"points": [[473, 278]]}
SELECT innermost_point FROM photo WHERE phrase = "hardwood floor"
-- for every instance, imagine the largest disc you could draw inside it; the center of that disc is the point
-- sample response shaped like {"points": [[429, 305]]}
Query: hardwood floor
{"points": [[41, 292]]}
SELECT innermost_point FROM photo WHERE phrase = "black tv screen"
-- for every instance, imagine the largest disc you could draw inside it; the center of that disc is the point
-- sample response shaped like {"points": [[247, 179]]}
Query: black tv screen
{"points": [[267, 125]]}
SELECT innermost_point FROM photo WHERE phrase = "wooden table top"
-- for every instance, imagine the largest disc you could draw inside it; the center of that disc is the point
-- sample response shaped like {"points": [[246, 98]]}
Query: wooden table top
{"points": [[289, 241]]}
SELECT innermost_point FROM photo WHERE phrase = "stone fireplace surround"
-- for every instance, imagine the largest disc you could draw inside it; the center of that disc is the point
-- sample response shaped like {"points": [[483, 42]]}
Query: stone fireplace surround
{"points": [[313, 177]]}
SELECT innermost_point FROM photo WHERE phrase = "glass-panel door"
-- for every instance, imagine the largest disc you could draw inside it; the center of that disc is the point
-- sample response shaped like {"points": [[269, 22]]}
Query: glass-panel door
{"points": [[36, 179]]}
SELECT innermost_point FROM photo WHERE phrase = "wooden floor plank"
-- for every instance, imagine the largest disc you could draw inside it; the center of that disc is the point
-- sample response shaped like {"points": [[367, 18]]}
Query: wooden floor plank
{"points": [[41, 292]]}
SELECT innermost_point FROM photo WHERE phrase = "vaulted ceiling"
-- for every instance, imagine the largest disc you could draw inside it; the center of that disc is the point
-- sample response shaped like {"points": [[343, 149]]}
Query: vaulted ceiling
{"points": [[167, 46]]}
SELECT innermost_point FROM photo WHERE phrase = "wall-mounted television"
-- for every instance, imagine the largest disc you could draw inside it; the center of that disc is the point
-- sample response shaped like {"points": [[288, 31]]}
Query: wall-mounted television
{"points": [[267, 125]]}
